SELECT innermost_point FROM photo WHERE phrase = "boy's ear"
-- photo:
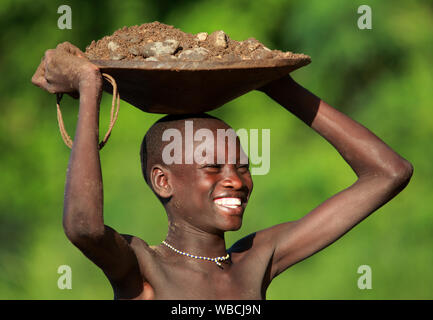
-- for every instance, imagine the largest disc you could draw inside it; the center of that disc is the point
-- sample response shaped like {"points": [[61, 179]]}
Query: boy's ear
{"points": [[161, 184]]}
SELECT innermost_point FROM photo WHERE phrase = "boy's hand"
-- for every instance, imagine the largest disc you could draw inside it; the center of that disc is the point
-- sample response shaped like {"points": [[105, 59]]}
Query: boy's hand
{"points": [[288, 80], [64, 70]]}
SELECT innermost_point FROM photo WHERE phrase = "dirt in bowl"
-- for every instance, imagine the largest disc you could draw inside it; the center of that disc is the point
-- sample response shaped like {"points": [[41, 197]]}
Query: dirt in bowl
{"points": [[160, 42]]}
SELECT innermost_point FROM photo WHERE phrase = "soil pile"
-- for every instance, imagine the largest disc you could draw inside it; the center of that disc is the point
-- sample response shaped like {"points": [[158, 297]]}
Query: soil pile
{"points": [[160, 42]]}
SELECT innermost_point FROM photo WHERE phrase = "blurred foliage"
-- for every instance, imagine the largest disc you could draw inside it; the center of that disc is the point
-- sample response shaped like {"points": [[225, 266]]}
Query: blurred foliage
{"points": [[380, 77]]}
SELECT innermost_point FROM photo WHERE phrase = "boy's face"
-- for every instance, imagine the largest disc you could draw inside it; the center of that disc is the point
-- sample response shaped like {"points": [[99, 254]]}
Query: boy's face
{"points": [[212, 196]]}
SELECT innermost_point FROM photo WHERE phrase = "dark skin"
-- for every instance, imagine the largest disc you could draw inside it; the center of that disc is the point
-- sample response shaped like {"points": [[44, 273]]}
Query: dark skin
{"points": [[196, 225]]}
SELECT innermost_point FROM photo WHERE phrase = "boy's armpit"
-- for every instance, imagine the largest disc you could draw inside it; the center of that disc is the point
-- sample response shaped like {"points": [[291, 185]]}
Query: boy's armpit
{"points": [[111, 252], [143, 252]]}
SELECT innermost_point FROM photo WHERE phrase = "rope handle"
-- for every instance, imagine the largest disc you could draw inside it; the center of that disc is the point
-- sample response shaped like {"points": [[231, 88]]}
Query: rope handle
{"points": [[113, 114]]}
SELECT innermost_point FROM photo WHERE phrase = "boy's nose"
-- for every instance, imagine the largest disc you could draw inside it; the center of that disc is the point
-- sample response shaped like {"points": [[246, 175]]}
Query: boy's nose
{"points": [[231, 178]]}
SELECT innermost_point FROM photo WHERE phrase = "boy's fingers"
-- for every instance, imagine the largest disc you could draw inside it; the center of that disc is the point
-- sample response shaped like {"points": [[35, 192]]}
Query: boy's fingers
{"points": [[39, 75], [39, 79], [70, 48], [64, 46], [42, 83]]}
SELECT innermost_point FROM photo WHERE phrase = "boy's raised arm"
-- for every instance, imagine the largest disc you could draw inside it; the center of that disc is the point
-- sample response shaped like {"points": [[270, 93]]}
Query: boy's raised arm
{"points": [[66, 70], [381, 172]]}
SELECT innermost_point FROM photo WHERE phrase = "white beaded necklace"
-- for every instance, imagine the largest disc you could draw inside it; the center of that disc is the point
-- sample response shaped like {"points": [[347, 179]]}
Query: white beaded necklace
{"points": [[216, 260]]}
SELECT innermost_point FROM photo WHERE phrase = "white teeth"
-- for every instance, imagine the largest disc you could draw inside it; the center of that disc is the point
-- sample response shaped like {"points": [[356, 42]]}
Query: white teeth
{"points": [[228, 202]]}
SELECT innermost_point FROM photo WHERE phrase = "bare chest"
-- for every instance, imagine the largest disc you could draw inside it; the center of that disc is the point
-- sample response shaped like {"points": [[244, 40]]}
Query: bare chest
{"points": [[218, 284], [180, 278]]}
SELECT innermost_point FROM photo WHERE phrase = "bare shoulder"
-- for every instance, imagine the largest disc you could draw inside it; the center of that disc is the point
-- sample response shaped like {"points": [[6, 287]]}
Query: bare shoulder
{"points": [[148, 257], [136, 283], [140, 247], [260, 249], [258, 244], [262, 241], [254, 254]]}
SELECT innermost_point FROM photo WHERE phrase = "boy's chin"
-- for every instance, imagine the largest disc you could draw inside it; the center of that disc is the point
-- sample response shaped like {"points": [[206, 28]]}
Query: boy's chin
{"points": [[232, 225], [236, 228]]}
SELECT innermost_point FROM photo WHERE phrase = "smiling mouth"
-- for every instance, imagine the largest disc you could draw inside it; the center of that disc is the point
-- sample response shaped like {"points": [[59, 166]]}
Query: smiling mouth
{"points": [[231, 203]]}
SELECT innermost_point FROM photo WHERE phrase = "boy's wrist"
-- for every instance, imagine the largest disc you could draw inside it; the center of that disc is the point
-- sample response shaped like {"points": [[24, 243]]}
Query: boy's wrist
{"points": [[90, 80], [90, 90], [285, 83]]}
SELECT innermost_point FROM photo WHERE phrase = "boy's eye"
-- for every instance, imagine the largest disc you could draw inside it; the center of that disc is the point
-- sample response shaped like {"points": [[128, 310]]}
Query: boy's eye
{"points": [[244, 168], [213, 167], [217, 167]]}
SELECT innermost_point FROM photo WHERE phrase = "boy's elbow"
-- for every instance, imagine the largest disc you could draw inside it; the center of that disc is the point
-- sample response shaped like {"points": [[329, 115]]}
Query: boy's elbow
{"points": [[400, 174], [79, 232]]}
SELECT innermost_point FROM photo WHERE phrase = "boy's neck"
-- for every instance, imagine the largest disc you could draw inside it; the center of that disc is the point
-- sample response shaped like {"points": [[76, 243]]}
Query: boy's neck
{"points": [[194, 241]]}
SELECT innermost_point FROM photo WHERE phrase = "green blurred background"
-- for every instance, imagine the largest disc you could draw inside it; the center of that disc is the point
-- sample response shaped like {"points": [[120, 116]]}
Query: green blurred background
{"points": [[381, 77]]}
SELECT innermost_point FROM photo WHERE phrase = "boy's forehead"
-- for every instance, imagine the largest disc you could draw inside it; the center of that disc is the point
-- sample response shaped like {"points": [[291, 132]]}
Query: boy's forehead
{"points": [[203, 141], [206, 130]]}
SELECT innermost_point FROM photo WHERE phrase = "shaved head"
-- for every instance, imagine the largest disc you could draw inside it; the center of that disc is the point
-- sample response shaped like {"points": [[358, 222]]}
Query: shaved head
{"points": [[153, 144]]}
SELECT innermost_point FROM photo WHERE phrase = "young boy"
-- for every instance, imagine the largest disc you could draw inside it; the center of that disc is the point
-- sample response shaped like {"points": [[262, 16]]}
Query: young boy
{"points": [[205, 200]]}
